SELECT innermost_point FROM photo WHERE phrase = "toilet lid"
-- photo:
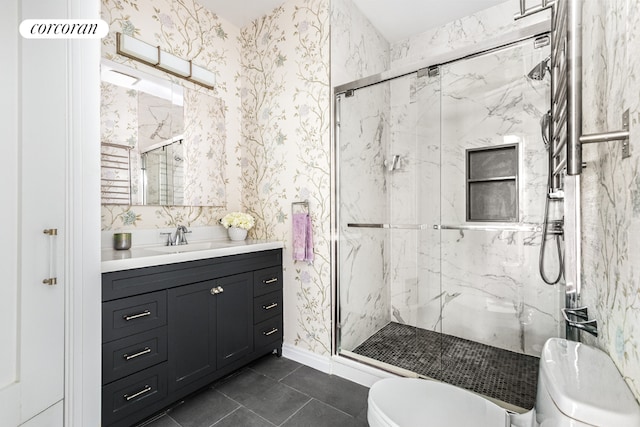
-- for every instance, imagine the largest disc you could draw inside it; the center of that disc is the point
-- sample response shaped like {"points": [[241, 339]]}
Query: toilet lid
{"points": [[409, 402]]}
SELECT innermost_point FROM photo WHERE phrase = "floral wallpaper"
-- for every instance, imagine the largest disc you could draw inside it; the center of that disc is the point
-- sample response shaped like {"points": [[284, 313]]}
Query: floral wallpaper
{"points": [[285, 152], [610, 187], [273, 78], [205, 155], [189, 30]]}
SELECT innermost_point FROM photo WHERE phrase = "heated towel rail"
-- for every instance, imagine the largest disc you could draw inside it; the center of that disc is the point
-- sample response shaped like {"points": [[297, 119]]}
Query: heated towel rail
{"points": [[115, 174]]}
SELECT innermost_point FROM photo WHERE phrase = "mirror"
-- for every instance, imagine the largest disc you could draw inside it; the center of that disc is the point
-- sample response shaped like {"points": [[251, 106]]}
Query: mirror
{"points": [[162, 143]]}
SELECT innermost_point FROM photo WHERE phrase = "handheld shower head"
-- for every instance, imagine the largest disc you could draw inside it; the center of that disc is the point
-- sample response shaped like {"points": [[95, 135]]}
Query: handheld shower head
{"points": [[545, 128], [538, 72]]}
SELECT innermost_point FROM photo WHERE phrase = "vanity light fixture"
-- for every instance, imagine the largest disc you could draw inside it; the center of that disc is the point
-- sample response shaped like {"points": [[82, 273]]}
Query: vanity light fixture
{"points": [[152, 55], [137, 49], [174, 64], [202, 75]]}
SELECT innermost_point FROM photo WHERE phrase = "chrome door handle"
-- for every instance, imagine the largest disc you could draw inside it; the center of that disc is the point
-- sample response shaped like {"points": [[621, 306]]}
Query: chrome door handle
{"points": [[138, 354], [271, 332], [146, 389], [268, 282], [217, 290], [270, 306], [136, 316]]}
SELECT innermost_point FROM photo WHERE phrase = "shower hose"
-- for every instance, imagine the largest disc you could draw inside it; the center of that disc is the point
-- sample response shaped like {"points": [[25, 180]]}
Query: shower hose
{"points": [[544, 130]]}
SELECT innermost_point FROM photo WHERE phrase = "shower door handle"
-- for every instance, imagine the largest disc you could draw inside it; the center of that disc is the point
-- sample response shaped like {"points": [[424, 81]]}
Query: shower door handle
{"points": [[389, 226], [518, 227]]}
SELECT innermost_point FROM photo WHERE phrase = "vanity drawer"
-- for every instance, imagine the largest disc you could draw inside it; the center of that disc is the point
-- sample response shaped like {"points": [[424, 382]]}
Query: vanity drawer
{"points": [[129, 316], [269, 331], [266, 306], [132, 354], [129, 395], [267, 280]]}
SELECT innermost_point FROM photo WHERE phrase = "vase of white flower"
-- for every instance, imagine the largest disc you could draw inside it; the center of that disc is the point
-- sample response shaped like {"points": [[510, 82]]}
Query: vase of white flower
{"points": [[236, 233], [237, 224]]}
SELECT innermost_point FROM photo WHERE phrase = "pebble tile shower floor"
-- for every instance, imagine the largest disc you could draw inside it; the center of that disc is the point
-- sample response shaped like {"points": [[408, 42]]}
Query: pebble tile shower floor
{"points": [[501, 374]]}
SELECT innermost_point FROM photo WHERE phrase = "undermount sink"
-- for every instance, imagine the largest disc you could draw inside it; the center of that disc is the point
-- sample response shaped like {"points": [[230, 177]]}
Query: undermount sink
{"points": [[191, 247]]}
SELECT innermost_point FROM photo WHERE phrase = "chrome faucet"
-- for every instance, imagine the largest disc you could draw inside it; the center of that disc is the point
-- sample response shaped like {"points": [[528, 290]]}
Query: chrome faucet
{"points": [[180, 236]]}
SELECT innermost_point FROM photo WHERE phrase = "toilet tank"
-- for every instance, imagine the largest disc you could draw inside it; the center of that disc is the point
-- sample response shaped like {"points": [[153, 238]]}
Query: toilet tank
{"points": [[579, 385]]}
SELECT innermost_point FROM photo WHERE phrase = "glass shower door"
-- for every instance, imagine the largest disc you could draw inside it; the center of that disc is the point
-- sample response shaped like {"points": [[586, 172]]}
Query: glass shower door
{"points": [[494, 175], [388, 196], [362, 144]]}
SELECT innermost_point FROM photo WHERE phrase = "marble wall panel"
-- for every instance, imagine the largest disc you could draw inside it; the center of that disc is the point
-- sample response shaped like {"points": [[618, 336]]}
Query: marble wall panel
{"points": [[357, 47], [486, 24], [489, 101], [492, 293], [363, 197], [427, 95], [486, 101]]}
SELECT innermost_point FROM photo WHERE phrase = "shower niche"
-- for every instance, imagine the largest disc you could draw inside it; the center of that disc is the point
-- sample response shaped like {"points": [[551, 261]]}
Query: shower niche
{"points": [[492, 183]]}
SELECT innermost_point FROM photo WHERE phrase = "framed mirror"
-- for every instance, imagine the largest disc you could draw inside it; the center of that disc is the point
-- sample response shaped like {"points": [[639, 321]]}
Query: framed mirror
{"points": [[161, 143]]}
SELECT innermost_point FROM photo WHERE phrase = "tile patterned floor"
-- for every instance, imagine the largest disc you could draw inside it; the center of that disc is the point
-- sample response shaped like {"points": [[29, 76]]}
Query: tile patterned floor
{"points": [[272, 392], [501, 374]]}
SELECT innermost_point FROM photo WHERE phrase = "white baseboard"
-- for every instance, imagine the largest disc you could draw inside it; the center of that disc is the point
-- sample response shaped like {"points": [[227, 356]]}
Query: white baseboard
{"points": [[308, 358], [358, 372], [336, 365]]}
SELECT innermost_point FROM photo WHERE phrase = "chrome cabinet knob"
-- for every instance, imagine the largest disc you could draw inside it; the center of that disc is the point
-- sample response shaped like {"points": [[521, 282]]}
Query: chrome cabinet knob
{"points": [[217, 290]]}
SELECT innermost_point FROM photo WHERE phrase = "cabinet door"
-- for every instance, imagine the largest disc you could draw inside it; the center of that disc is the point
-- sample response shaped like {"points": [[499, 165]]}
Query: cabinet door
{"points": [[35, 108], [192, 332], [235, 317]]}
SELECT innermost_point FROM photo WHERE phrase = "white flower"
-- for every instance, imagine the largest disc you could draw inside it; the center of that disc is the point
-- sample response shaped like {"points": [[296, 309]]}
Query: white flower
{"points": [[239, 220]]}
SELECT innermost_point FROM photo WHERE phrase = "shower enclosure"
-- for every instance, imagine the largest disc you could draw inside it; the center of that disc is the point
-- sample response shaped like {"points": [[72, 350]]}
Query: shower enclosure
{"points": [[441, 179]]}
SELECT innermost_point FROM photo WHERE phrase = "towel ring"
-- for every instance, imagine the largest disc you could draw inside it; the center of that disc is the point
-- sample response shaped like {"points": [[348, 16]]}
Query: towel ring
{"points": [[304, 205]]}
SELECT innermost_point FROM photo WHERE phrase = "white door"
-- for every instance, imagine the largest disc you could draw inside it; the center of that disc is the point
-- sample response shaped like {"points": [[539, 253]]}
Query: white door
{"points": [[35, 138]]}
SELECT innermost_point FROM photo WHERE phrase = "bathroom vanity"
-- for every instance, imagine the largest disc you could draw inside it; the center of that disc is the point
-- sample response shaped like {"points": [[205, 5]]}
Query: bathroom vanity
{"points": [[170, 329]]}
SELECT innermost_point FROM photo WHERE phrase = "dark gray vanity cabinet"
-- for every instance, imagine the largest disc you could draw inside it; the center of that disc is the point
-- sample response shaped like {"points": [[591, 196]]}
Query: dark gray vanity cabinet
{"points": [[212, 326], [170, 330]]}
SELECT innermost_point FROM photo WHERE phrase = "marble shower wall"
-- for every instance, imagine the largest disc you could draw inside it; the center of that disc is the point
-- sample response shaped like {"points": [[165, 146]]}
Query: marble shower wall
{"points": [[611, 186], [478, 285], [363, 197], [414, 258], [461, 33], [359, 50], [503, 288], [186, 29], [357, 47]]}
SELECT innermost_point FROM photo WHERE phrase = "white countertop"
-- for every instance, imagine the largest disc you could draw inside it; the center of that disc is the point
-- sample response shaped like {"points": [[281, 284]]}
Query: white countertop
{"points": [[152, 255]]}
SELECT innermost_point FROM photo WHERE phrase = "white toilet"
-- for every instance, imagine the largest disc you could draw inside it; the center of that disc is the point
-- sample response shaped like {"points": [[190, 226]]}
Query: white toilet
{"points": [[578, 386]]}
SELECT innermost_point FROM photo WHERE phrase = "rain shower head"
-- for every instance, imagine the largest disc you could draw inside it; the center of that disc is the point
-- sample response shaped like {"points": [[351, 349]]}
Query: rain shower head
{"points": [[540, 70]]}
